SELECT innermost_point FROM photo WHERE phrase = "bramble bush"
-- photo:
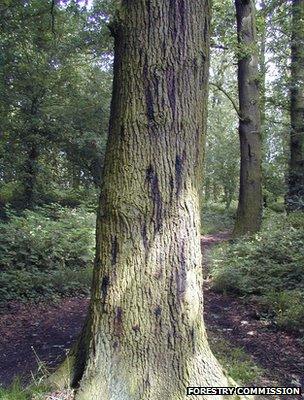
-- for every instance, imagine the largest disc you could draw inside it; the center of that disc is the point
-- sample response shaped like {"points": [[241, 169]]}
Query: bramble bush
{"points": [[46, 253], [269, 267]]}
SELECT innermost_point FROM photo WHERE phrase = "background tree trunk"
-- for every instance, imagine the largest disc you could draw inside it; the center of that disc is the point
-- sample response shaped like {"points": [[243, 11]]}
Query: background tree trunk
{"points": [[263, 68], [29, 197], [295, 198], [249, 212], [145, 337]]}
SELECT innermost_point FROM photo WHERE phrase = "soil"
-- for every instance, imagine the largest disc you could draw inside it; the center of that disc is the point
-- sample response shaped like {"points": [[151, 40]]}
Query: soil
{"points": [[33, 337]]}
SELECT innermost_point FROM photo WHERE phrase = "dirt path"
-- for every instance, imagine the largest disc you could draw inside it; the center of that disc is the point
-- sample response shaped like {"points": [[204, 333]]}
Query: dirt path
{"points": [[46, 332]]}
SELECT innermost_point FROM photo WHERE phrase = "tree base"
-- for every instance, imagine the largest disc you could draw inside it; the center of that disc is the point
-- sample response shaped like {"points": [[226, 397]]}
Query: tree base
{"points": [[62, 379]]}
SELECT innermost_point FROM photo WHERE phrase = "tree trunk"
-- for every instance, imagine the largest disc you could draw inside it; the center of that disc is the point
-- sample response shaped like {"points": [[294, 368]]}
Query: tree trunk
{"points": [[145, 337], [29, 197], [263, 68], [295, 198], [249, 211]]}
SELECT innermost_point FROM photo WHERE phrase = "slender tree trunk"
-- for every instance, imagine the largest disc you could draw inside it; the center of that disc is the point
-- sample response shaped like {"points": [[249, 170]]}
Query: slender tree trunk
{"points": [[295, 198], [249, 211], [145, 337], [30, 177], [263, 69]]}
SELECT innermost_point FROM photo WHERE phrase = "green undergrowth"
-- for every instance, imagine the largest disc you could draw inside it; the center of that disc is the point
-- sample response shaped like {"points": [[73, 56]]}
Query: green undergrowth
{"points": [[267, 268], [16, 391], [238, 364], [216, 218], [46, 253]]}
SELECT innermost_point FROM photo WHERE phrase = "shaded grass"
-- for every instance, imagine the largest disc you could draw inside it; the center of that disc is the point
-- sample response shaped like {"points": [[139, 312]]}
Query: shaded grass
{"points": [[238, 364], [17, 392]]}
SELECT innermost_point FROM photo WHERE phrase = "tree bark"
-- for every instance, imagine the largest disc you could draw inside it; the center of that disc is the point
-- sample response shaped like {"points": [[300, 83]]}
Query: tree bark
{"points": [[295, 198], [30, 177], [145, 337], [263, 68], [249, 212]]}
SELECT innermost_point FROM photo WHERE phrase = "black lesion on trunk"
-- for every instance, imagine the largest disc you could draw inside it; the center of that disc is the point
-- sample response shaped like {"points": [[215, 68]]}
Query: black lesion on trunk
{"points": [[171, 183], [144, 236], [104, 286], [152, 179], [136, 328], [192, 339], [148, 94], [157, 311], [179, 168], [181, 273], [249, 152], [118, 324], [114, 250]]}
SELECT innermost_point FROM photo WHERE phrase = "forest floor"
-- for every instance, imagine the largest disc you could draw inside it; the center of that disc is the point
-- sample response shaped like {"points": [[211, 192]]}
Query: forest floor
{"points": [[32, 336]]}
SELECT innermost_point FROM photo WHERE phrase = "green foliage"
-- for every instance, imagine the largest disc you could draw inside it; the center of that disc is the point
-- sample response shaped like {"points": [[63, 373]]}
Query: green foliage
{"points": [[287, 306], [46, 253], [221, 178], [237, 362], [269, 266], [55, 90]]}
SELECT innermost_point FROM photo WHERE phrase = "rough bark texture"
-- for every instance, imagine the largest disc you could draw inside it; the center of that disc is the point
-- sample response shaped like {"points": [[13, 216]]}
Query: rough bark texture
{"points": [[145, 337], [249, 211], [296, 165]]}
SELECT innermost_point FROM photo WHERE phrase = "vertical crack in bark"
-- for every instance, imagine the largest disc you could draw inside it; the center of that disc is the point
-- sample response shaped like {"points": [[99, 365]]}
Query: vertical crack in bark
{"points": [[152, 178]]}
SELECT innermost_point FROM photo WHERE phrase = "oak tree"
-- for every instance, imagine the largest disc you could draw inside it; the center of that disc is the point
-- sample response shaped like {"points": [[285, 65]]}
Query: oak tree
{"points": [[144, 337]]}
